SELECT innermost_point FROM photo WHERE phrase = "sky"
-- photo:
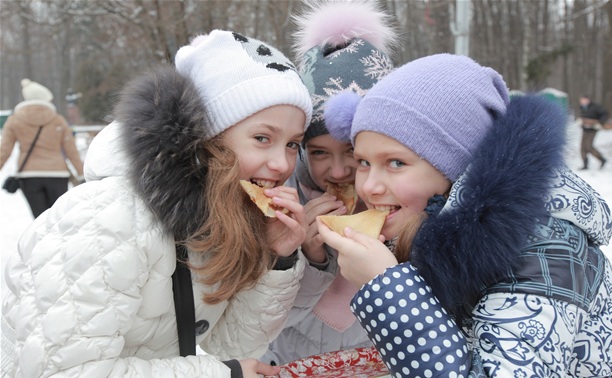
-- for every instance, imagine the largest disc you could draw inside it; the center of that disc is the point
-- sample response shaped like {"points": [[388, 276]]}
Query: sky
{"points": [[15, 215]]}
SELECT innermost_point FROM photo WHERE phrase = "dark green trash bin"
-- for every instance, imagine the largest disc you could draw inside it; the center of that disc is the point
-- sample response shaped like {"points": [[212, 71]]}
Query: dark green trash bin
{"points": [[4, 114]]}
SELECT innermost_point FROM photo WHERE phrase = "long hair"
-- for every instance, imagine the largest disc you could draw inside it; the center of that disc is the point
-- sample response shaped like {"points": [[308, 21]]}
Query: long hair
{"points": [[232, 240], [405, 237]]}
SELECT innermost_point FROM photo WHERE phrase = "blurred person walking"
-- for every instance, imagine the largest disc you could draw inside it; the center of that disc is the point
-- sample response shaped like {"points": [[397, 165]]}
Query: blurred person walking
{"points": [[45, 175], [592, 116]]}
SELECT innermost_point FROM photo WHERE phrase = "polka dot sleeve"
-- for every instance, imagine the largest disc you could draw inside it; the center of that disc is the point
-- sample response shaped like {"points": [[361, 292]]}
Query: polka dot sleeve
{"points": [[413, 333]]}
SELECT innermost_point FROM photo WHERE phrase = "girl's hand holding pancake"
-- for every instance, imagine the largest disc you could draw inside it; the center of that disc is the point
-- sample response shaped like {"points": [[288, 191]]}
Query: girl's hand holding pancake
{"points": [[360, 257], [286, 232]]}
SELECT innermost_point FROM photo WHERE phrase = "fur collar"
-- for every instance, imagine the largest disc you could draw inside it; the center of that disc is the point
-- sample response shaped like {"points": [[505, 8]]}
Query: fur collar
{"points": [[465, 248], [163, 122]]}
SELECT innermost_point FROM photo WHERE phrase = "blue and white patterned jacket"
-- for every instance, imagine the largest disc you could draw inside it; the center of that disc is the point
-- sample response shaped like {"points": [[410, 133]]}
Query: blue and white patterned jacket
{"points": [[507, 280]]}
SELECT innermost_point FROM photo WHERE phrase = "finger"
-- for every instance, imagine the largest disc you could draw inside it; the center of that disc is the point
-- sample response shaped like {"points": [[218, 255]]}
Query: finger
{"points": [[315, 208], [290, 204], [360, 237], [282, 191], [266, 369], [331, 238], [288, 221]]}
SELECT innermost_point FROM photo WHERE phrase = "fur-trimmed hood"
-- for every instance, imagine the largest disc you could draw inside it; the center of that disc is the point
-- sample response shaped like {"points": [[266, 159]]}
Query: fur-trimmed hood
{"points": [[478, 236], [155, 143]]}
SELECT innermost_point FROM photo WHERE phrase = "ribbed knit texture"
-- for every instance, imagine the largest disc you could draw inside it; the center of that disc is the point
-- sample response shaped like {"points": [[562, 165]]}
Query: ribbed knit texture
{"points": [[237, 77], [440, 107]]}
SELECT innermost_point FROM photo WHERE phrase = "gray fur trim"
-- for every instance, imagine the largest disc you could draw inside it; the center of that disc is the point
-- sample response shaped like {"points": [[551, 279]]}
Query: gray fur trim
{"points": [[163, 123]]}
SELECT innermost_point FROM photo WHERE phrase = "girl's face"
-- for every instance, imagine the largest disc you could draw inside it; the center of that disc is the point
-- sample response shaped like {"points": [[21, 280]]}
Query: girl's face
{"points": [[392, 177], [330, 160], [267, 144]]}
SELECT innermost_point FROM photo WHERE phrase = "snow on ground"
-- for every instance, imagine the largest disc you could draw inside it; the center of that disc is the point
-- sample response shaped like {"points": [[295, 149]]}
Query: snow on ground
{"points": [[15, 215]]}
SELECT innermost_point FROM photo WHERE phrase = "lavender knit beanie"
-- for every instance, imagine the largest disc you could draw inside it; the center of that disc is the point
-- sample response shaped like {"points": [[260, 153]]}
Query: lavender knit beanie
{"points": [[440, 106]]}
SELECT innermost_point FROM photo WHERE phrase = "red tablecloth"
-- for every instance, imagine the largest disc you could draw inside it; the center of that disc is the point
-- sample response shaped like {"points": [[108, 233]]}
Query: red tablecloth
{"points": [[351, 363]]}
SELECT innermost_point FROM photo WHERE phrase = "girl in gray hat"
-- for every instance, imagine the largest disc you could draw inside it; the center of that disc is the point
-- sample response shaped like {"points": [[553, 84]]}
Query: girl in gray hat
{"points": [[340, 46]]}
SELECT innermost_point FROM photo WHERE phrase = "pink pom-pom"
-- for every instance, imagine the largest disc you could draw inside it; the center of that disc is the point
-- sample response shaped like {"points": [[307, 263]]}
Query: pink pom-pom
{"points": [[337, 22], [339, 112]]}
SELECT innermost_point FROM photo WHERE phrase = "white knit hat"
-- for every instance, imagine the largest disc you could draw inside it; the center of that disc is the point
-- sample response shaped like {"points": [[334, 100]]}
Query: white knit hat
{"points": [[238, 76], [32, 90]]}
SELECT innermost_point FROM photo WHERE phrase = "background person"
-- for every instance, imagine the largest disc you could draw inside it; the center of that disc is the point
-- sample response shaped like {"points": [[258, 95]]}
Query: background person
{"points": [[340, 46], [592, 116], [91, 287], [45, 176], [501, 277]]}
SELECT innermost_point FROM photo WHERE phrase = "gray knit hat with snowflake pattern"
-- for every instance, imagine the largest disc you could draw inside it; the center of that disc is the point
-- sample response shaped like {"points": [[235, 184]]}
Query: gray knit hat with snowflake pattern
{"points": [[341, 46]]}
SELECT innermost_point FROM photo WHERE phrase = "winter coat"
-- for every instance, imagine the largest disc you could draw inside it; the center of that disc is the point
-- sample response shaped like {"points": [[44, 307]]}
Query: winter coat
{"points": [[54, 144], [90, 289], [304, 333], [594, 111], [512, 258]]}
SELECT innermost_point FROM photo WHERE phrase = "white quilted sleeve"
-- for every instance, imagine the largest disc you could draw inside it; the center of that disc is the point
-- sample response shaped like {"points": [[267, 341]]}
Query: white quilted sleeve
{"points": [[75, 290], [255, 317]]}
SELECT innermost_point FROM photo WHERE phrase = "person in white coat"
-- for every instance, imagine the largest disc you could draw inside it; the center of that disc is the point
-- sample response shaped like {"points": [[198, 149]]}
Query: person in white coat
{"points": [[90, 291]]}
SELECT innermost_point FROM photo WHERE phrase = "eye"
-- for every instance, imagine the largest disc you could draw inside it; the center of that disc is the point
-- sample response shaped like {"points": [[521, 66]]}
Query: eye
{"points": [[363, 163], [293, 145], [262, 139], [396, 164], [317, 152]]}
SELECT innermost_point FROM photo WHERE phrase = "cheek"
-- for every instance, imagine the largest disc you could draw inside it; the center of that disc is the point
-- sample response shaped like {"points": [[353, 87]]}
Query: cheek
{"points": [[360, 178], [249, 164], [318, 171], [412, 199], [292, 162]]}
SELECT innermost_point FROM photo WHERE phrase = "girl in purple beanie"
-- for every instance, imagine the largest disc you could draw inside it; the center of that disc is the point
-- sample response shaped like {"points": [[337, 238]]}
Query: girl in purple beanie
{"points": [[491, 265]]}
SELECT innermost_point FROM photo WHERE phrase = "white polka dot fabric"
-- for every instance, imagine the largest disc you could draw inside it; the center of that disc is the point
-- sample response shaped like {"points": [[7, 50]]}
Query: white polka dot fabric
{"points": [[413, 333]]}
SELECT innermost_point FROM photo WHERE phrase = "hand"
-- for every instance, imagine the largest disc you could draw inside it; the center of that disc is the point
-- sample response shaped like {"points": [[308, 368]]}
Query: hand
{"points": [[251, 368], [313, 245], [360, 257], [286, 233]]}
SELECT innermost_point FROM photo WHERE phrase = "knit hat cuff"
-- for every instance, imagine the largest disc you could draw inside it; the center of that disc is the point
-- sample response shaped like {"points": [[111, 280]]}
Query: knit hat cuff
{"points": [[252, 96], [426, 141]]}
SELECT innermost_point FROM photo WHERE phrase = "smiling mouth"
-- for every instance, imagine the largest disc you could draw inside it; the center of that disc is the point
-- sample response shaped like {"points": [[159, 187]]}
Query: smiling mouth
{"points": [[388, 208], [266, 184]]}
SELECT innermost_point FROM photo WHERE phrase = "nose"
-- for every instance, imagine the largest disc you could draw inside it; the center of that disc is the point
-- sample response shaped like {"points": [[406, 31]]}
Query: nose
{"points": [[373, 184], [340, 169], [278, 161]]}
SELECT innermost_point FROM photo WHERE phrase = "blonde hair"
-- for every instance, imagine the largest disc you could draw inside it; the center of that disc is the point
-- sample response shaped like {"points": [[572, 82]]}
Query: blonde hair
{"points": [[403, 246], [406, 236], [232, 240]]}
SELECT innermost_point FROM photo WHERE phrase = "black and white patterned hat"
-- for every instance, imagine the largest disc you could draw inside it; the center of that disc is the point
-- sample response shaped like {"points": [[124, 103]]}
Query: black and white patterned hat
{"points": [[237, 77]]}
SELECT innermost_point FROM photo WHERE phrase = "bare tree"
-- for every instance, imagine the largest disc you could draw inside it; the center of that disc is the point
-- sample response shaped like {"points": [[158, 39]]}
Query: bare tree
{"points": [[96, 46]]}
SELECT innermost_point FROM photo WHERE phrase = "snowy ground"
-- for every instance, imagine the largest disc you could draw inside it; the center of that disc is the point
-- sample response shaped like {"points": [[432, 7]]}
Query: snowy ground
{"points": [[15, 215]]}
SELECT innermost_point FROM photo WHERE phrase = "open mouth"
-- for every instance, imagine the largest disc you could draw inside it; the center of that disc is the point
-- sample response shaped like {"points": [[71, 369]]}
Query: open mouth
{"points": [[266, 184], [389, 208]]}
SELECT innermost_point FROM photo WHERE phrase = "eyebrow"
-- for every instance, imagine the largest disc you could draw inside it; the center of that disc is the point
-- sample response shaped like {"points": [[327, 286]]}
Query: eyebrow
{"points": [[383, 154], [274, 129]]}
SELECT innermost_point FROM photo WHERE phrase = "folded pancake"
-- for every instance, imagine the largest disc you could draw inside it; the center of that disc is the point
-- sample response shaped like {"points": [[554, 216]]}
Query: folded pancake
{"points": [[345, 193], [369, 222], [263, 202]]}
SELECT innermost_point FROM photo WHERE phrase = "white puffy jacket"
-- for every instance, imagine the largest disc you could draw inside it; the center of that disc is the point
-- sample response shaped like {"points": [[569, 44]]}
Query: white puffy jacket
{"points": [[90, 290]]}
